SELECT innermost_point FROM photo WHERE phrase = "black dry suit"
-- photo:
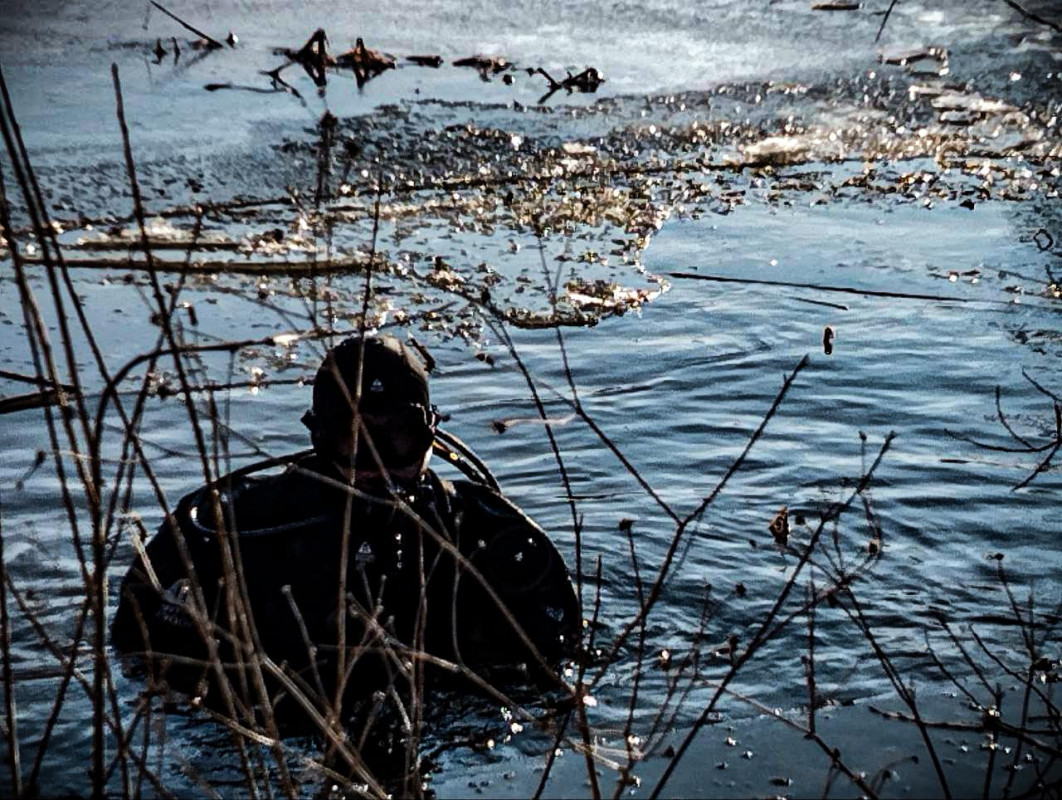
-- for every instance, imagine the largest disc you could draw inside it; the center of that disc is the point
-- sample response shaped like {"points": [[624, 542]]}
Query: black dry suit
{"points": [[451, 568]]}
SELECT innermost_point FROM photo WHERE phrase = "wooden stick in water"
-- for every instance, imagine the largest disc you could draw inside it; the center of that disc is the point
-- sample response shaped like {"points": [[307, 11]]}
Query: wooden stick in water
{"points": [[826, 288], [210, 40]]}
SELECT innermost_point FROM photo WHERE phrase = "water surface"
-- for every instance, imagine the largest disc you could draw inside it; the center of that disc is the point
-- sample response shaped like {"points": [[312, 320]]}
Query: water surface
{"points": [[678, 383]]}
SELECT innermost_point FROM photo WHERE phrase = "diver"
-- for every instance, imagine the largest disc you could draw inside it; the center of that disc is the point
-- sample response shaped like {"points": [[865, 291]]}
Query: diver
{"points": [[355, 546]]}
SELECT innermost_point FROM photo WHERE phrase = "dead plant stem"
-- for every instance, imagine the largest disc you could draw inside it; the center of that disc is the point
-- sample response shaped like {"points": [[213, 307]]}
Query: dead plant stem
{"points": [[658, 584], [14, 761], [764, 631]]}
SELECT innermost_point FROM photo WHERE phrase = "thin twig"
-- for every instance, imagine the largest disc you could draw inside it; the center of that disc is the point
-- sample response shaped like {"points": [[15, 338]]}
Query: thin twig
{"points": [[885, 19], [14, 761], [1003, 420], [906, 695], [214, 43], [216, 267], [1042, 467], [551, 756], [810, 663], [946, 672], [632, 703], [236, 594], [1011, 731], [993, 746], [973, 665], [658, 584], [1008, 670], [576, 526], [589, 748], [833, 753], [936, 298], [1034, 17], [765, 631], [1039, 387]]}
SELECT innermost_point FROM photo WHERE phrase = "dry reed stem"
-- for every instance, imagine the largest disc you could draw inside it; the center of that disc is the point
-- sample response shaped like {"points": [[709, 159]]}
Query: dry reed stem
{"points": [[833, 753], [14, 761], [765, 631], [44, 364], [665, 567], [855, 613], [230, 563], [632, 703]]}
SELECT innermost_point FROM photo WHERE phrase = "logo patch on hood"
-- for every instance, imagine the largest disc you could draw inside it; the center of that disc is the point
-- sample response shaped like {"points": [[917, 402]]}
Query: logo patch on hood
{"points": [[377, 386]]}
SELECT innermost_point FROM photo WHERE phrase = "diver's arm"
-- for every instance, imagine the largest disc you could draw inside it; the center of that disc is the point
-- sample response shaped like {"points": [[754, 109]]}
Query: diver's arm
{"points": [[521, 564], [152, 594]]}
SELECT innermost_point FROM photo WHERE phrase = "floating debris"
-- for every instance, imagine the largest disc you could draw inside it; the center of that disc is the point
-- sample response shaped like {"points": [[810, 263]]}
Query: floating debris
{"points": [[960, 101], [728, 650], [426, 61], [903, 58], [481, 62], [779, 526], [313, 57], [587, 81], [485, 65], [607, 296], [836, 5], [279, 83], [787, 150]]}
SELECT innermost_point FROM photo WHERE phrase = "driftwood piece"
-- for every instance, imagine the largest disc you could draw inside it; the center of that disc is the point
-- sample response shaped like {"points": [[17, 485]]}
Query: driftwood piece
{"points": [[214, 87]]}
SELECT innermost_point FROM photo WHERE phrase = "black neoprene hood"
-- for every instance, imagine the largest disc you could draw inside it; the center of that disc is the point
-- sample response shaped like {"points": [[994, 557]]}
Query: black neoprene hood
{"points": [[393, 376]]}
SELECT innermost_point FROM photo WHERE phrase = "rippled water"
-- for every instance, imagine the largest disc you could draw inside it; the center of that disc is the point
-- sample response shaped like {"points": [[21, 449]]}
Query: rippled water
{"points": [[679, 383]]}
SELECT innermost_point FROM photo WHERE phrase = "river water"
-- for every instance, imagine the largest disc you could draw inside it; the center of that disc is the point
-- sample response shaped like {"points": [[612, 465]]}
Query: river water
{"points": [[765, 144]]}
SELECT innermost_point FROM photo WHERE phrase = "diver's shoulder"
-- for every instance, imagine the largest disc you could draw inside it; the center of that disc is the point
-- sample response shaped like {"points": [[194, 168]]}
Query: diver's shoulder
{"points": [[478, 497], [261, 503]]}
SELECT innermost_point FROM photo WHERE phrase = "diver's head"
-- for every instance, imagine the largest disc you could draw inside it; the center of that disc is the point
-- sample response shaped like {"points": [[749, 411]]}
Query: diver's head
{"points": [[397, 421]]}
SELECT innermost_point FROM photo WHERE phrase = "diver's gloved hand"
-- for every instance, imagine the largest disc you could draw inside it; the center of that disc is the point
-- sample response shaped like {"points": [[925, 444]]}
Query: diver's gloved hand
{"points": [[174, 605]]}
